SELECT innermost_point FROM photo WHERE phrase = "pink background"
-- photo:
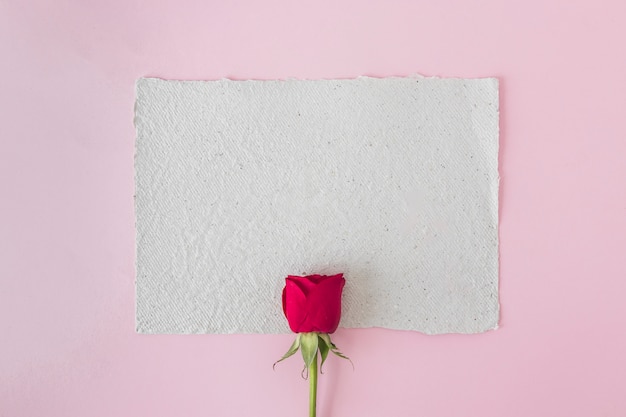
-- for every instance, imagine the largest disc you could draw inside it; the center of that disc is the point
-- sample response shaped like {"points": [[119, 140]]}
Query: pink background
{"points": [[67, 73]]}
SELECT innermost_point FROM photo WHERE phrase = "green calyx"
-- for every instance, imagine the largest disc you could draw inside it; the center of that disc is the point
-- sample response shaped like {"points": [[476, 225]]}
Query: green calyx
{"points": [[309, 344]]}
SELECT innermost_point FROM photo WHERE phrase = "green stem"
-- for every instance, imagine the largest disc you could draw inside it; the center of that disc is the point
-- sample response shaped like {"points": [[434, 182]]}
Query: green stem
{"points": [[313, 386]]}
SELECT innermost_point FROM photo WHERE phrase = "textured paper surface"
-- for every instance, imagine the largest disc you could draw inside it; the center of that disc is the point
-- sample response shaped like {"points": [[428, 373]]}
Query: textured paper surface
{"points": [[392, 181]]}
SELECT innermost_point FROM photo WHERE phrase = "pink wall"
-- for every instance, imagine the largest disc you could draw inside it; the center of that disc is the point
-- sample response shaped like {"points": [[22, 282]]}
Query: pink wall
{"points": [[67, 71]]}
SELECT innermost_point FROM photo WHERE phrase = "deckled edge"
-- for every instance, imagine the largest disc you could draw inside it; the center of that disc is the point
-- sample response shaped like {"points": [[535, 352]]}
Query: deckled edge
{"points": [[412, 76]]}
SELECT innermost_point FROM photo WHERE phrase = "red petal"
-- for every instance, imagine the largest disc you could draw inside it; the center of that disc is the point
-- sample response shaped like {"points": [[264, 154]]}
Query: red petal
{"points": [[309, 282], [324, 304], [294, 305]]}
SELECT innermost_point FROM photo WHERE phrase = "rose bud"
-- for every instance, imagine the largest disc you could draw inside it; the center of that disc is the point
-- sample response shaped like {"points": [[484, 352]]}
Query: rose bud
{"points": [[313, 303]]}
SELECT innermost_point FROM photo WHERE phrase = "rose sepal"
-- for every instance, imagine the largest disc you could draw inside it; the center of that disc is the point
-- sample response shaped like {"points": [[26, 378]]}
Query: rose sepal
{"points": [[292, 350], [309, 344], [327, 345]]}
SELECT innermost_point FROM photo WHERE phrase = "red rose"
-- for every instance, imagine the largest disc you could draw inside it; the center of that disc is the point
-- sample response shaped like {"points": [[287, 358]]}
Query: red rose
{"points": [[313, 303]]}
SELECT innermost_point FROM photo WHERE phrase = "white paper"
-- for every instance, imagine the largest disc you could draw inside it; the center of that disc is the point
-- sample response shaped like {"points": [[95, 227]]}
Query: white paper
{"points": [[392, 181]]}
